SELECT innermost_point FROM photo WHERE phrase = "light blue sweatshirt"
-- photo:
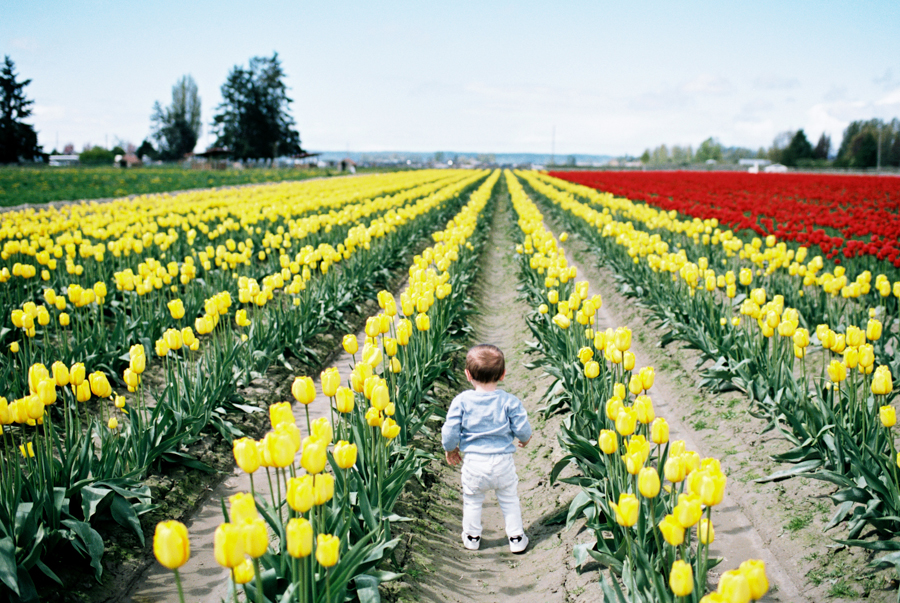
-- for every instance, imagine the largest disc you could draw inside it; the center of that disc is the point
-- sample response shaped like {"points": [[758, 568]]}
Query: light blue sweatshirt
{"points": [[485, 423]]}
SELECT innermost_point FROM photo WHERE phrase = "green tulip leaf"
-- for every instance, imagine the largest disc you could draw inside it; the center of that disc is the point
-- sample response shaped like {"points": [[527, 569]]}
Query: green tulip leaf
{"points": [[8, 564]]}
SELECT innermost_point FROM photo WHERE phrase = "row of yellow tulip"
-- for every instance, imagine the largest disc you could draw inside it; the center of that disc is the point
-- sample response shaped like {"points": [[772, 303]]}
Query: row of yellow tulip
{"points": [[629, 427], [375, 381]]}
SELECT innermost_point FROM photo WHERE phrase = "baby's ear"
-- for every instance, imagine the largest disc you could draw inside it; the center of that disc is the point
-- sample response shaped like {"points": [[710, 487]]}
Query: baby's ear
{"points": [[502, 376]]}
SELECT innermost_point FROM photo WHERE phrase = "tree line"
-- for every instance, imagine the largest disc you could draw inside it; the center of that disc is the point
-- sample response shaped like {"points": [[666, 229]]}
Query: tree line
{"points": [[253, 121], [865, 144]]}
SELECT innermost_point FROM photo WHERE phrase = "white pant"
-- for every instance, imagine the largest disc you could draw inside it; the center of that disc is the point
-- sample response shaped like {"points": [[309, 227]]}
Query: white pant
{"points": [[482, 473]]}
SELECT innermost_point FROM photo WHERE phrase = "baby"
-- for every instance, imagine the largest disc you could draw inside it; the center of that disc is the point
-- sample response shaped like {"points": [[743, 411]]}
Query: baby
{"points": [[482, 423]]}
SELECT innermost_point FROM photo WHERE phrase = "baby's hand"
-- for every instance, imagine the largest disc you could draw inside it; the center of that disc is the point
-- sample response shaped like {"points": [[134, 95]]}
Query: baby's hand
{"points": [[453, 457], [524, 444]]}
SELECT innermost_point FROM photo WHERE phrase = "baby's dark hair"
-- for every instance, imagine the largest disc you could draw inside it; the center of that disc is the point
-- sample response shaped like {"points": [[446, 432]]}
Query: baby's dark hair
{"points": [[485, 363]]}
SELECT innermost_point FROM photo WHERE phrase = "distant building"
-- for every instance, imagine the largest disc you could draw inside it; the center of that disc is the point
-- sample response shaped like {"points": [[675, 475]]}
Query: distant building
{"points": [[756, 162], [775, 168], [63, 160]]}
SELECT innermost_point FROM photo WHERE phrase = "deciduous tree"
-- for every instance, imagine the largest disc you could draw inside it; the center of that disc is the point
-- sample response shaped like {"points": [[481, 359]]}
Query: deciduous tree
{"points": [[176, 128]]}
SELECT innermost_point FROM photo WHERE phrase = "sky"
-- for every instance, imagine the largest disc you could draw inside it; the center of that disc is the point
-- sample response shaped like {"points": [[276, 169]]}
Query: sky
{"points": [[569, 77]]}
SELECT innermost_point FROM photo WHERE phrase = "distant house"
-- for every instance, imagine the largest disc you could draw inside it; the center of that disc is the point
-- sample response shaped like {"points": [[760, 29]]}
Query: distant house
{"points": [[775, 168], [63, 160], [757, 162]]}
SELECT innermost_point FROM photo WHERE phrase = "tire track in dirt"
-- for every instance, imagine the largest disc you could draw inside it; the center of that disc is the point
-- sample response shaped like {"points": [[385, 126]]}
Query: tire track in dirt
{"points": [[442, 570]]}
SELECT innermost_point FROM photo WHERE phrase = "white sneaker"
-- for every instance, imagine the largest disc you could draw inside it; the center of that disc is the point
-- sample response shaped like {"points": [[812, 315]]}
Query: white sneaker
{"points": [[518, 544], [471, 542]]}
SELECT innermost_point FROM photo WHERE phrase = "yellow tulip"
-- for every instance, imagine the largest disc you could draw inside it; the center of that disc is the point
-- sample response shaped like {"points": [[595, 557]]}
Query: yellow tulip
{"points": [[256, 537], [299, 537], [113, 423], [635, 386], [648, 376], [314, 457], [60, 373], [321, 430], [688, 510], [888, 416], [344, 400], [373, 417], [754, 571], [380, 397], [132, 380], [837, 371], [643, 406], [244, 572], [280, 446], [423, 322], [138, 362], [345, 454], [659, 431], [592, 369], [882, 384], [328, 549], [300, 493], [176, 309], [627, 509], [162, 348], [613, 408], [873, 330], [82, 391], [46, 391], [171, 544], [242, 507], [626, 421], [674, 469], [246, 454], [100, 384], [303, 390], [681, 578], [34, 407], [648, 482], [323, 488], [585, 354], [390, 429], [229, 545], [281, 412], [671, 530], [608, 442], [734, 586], [188, 337], [705, 532]]}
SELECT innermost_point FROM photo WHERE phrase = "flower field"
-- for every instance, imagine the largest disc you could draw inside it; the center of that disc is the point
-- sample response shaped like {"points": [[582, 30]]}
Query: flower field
{"points": [[845, 216], [131, 329], [42, 185]]}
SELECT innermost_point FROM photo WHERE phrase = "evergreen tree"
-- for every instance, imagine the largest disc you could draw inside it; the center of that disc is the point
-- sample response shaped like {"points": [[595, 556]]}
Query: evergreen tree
{"points": [[799, 148], [253, 120], [823, 147], [18, 140]]}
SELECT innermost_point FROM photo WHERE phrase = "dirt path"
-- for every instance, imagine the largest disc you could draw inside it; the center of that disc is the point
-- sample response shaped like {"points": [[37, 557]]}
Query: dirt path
{"points": [[441, 569]]}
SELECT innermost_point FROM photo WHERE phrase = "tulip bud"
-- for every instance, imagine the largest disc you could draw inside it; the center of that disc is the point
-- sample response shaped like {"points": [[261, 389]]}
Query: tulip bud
{"points": [[592, 369], [162, 348], [635, 386], [380, 398], [423, 322], [244, 572], [82, 391], [46, 391], [705, 532], [681, 578], [837, 371], [613, 408], [299, 537], [622, 339], [171, 544], [882, 384], [323, 488], [674, 469]]}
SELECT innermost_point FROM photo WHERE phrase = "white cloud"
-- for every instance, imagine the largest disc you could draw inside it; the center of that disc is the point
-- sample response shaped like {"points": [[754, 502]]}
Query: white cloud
{"points": [[771, 81], [25, 43], [893, 98], [708, 85]]}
